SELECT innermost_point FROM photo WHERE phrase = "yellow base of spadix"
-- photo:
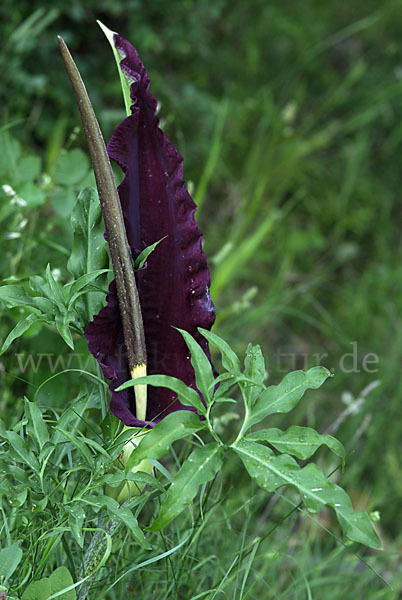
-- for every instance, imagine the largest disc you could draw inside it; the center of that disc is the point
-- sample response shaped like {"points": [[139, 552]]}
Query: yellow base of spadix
{"points": [[140, 392]]}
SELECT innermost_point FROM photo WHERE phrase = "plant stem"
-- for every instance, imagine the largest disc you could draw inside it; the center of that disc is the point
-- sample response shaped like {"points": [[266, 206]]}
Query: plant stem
{"points": [[93, 555], [244, 424], [210, 428]]}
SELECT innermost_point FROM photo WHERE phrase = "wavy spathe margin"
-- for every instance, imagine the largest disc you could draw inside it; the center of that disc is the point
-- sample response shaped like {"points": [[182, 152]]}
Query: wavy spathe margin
{"points": [[174, 284]]}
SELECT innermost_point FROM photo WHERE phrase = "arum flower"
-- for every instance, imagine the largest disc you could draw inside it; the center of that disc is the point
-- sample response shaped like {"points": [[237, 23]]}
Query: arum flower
{"points": [[172, 288]]}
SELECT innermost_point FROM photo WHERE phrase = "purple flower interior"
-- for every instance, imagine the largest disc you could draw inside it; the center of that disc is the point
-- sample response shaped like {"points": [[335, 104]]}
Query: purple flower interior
{"points": [[174, 284]]}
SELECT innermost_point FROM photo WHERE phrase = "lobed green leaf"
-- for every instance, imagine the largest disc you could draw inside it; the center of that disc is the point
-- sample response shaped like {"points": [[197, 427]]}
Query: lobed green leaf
{"points": [[271, 472], [283, 397], [301, 442]]}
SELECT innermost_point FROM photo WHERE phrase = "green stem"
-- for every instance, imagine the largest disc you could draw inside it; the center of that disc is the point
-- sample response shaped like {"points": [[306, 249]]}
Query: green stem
{"points": [[243, 427], [94, 555], [210, 427]]}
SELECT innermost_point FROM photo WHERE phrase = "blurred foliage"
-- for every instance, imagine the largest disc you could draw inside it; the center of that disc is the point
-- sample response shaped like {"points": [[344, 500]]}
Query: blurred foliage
{"points": [[289, 116]]}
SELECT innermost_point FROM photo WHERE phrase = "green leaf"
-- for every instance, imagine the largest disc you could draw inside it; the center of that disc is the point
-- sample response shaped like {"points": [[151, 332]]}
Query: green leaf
{"points": [[20, 475], [61, 322], [200, 467], [28, 168], [19, 330], [89, 246], [20, 451], [71, 167], [126, 516], [111, 479], [271, 472], [283, 397], [16, 295], [138, 477], [227, 380], [79, 444], [37, 590], [70, 419], [36, 426], [98, 502], [89, 253], [186, 395], [60, 580], [301, 442], [204, 377], [11, 154], [76, 520], [254, 369], [63, 200], [32, 194], [142, 257], [38, 284], [117, 445], [10, 558], [230, 360], [82, 282], [156, 443], [143, 479], [100, 449], [123, 513], [55, 288], [357, 526]]}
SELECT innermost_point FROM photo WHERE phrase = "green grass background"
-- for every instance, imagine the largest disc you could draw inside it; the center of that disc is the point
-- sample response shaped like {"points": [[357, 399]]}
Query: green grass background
{"points": [[289, 117]]}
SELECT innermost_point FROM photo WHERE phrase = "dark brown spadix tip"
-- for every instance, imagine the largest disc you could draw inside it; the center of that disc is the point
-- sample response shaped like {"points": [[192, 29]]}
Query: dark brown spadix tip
{"points": [[128, 299]]}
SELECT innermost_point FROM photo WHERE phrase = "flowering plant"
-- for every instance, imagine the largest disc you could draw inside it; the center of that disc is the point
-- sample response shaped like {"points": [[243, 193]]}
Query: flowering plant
{"points": [[151, 340]]}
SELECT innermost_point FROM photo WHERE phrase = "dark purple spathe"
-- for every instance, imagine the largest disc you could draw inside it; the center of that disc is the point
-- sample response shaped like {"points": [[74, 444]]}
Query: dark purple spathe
{"points": [[174, 284]]}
